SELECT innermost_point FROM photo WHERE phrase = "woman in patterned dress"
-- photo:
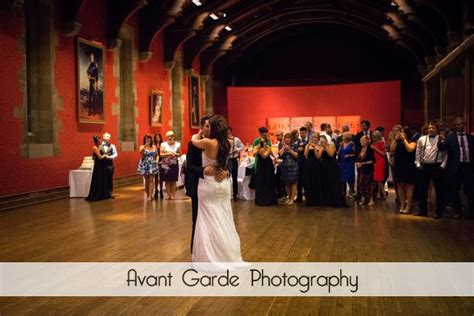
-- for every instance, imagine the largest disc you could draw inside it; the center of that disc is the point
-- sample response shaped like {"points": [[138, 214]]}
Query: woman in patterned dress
{"points": [[147, 166], [289, 167]]}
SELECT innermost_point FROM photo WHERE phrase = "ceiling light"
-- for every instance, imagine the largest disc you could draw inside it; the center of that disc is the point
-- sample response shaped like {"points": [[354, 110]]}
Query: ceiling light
{"points": [[224, 15], [228, 28], [393, 4], [197, 3], [214, 16]]}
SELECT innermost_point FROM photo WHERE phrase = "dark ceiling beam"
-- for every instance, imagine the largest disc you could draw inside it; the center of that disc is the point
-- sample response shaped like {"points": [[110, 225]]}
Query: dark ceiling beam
{"points": [[187, 26], [6, 4], [452, 16], [194, 46], [243, 44], [209, 57], [152, 20], [468, 17], [118, 12], [69, 11], [210, 34]]}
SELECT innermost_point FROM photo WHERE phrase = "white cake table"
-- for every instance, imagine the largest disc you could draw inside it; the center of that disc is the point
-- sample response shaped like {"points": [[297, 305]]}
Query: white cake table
{"points": [[79, 182]]}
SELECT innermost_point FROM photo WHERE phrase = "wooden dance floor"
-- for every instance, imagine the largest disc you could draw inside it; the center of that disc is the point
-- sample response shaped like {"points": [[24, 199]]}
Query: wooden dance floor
{"points": [[129, 228]]}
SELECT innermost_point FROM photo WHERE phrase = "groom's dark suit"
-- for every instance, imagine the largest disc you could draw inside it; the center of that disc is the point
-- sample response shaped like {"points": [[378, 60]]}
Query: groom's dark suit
{"points": [[194, 171]]}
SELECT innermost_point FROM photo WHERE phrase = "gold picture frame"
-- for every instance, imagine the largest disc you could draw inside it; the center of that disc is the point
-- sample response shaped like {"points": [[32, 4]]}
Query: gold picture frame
{"points": [[90, 82]]}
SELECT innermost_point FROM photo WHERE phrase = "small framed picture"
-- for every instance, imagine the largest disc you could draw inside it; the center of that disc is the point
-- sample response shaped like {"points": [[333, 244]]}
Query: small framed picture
{"points": [[90, 81], [194, 107], [156, 108]]}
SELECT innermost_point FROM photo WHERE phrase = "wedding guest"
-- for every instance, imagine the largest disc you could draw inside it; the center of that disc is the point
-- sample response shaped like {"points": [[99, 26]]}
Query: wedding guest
{"points": [[365, 167], [391, 157], [170, 151], [346, 154], [459, 146], [324, 132], [301, 144], [404, 167], [344, 129], [309, 128], [365, 131], [265, 193], [280, 186], [332, 190], [313, 185], [378, 147], [100, 188], [430, 161], [148, 166], [289, 167], [157, 140], [110, 151], [236, 148]]}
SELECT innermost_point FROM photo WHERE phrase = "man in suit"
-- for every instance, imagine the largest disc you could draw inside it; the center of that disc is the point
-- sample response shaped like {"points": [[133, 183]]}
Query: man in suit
{"points": [[301, 144], [365, 126], [459, 146], [111, 152], [194, 171]]}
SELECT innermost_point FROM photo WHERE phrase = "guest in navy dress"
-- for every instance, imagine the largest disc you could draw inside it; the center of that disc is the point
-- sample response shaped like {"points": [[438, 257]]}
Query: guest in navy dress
{"points": [[346, 155]]}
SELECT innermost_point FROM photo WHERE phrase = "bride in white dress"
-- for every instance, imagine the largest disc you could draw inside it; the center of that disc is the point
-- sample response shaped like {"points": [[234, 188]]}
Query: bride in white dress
{"points": [[215, 239]]}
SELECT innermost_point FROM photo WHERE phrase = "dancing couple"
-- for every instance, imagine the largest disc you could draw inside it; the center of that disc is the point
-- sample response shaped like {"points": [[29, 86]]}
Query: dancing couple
{"points": [[214, 237]]}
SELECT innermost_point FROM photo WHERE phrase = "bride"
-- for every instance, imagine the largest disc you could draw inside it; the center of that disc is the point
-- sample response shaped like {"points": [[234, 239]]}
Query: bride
{"points": [[215, 238]]}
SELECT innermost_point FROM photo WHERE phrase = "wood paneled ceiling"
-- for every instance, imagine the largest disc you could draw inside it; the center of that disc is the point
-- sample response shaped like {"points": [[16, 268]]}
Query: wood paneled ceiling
{"points": [[210, 29]]}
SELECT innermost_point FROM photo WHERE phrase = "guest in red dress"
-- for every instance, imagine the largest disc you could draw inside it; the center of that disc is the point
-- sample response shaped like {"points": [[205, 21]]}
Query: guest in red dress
{"points": [[380, 160]]}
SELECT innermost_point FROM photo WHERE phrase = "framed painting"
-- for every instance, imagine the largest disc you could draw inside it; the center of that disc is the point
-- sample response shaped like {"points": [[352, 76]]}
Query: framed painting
{"points": [[90, 73], [297, 122], [156, 108], [352, 121], [194, 108], [276, 124], [318, 120]]}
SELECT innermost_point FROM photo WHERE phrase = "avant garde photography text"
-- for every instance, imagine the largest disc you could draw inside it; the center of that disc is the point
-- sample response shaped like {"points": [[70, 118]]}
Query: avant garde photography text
{"points": [[257, 278]]}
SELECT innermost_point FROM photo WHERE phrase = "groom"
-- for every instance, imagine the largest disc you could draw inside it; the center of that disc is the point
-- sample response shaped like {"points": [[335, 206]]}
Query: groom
{"points": [[194, 171]]}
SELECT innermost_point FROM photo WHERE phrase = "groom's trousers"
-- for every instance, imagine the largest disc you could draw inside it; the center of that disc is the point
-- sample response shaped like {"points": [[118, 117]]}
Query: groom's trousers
{"points": [[194, 205]]}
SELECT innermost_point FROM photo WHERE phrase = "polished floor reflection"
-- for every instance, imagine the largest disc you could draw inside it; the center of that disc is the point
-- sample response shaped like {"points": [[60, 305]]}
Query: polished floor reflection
{"points": [[129, 228]]}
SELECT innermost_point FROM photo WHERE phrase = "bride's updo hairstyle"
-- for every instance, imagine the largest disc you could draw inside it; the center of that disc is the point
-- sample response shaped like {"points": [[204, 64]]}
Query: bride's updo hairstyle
{"points": [[218, 131]]}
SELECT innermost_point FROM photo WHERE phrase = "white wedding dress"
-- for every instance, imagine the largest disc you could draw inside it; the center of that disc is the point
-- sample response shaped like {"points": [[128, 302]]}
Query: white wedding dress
{"points": [[216, 242]]}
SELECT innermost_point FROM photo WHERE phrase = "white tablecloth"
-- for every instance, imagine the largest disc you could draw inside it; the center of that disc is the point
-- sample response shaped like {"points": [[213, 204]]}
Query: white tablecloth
{"points": [[245, 193], [79, 182]]}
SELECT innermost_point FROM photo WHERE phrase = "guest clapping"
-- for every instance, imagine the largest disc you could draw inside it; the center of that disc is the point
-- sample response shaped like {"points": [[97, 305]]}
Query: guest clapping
{"points": [[289, 166]]}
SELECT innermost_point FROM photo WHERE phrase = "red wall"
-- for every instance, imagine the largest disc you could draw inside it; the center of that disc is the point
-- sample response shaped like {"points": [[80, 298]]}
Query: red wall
{"points": [[248, 107], [17, 174]]}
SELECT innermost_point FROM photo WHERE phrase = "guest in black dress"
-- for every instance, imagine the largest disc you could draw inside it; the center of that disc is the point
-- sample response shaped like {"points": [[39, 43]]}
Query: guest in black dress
{"points": [[313, 186], [330, 174], [100, 186], [157, 140], [404, 167], [265, 193], [365, 168]]}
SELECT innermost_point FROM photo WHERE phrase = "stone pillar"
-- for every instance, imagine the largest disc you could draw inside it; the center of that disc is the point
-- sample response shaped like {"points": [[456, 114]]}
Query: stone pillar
{"points": [[177, 105]]}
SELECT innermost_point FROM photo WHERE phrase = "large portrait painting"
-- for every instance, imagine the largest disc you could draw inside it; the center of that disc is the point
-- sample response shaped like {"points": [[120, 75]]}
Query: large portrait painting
{"points": [[90, 73], [194, 108], [156, 108]]}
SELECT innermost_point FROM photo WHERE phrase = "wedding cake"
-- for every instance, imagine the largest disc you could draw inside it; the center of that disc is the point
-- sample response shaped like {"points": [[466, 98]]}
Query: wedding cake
{"points": [[87, 163]]}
